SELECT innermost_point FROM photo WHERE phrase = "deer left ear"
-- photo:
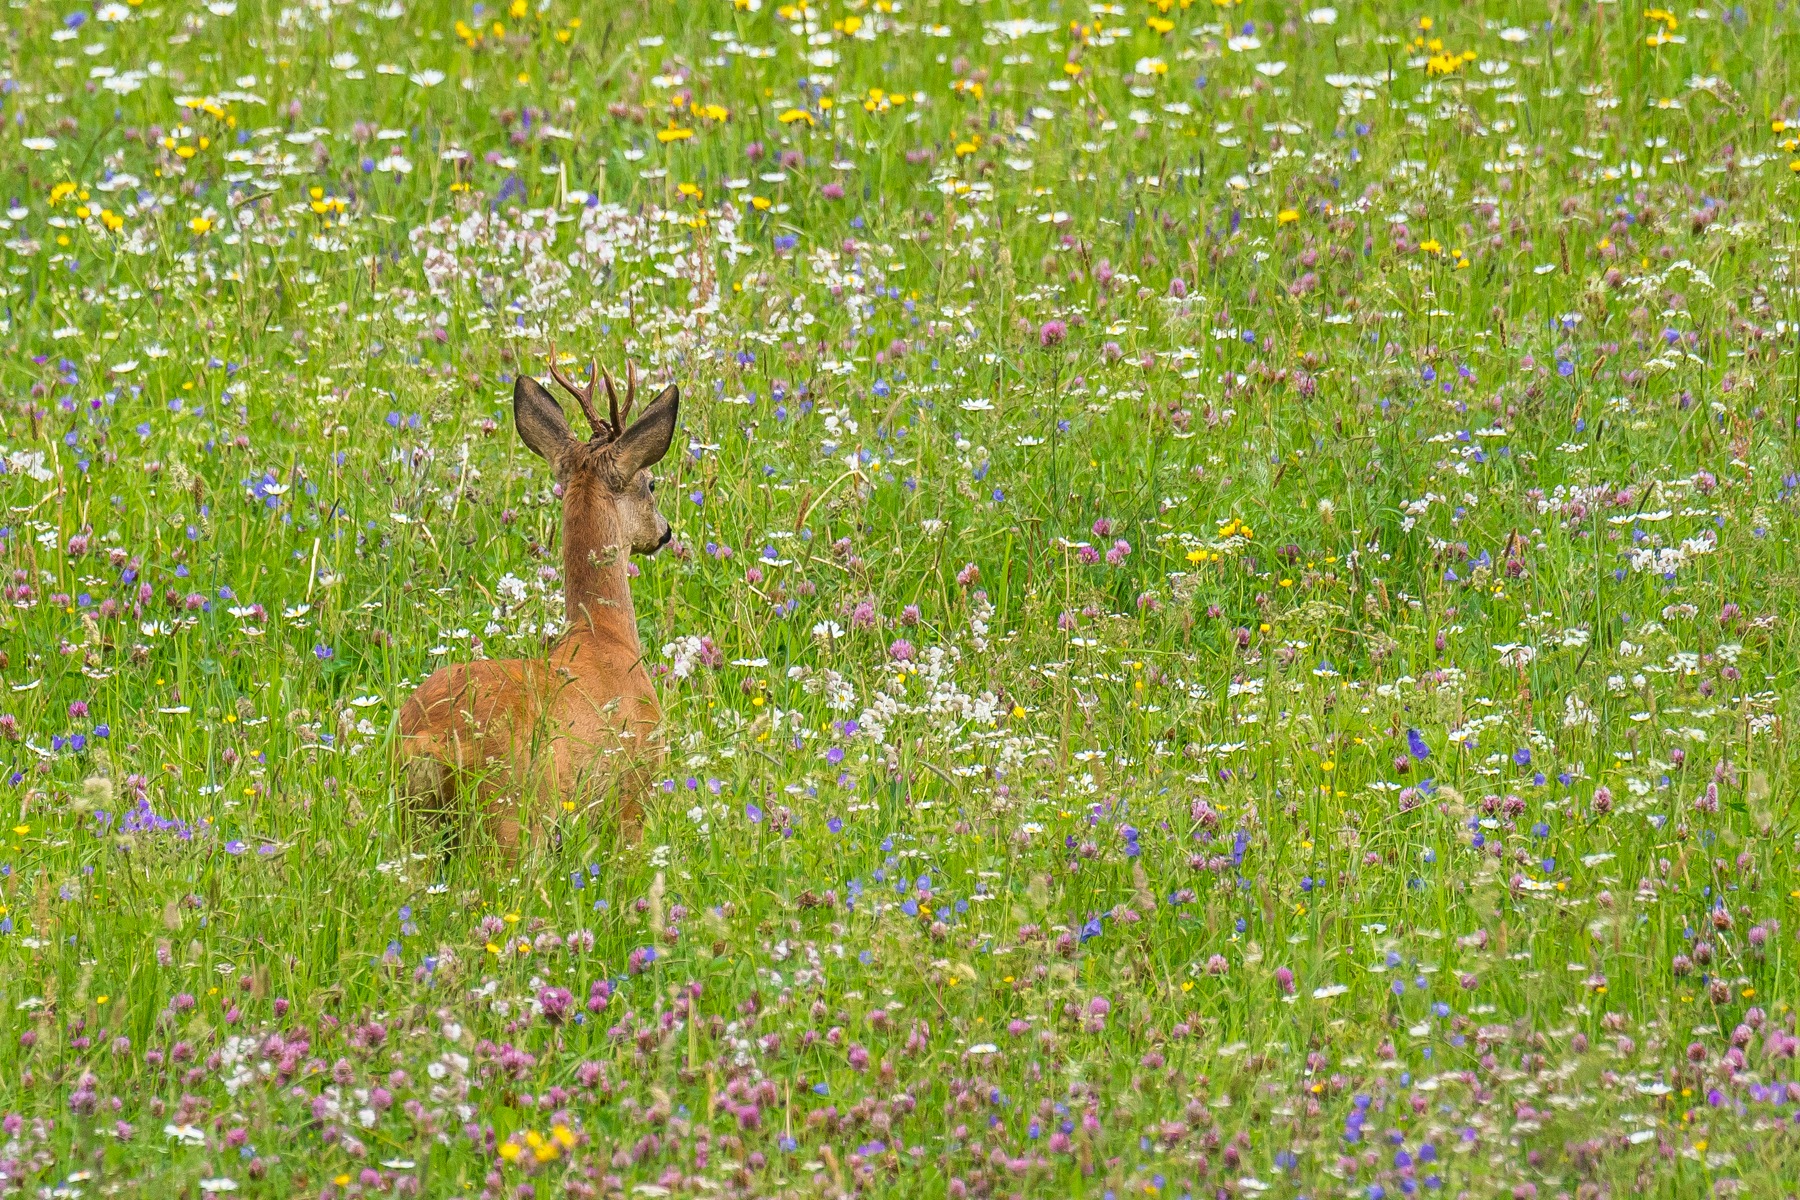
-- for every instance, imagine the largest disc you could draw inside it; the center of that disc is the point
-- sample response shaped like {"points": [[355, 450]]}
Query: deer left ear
{"points": [[540, 420], [647, 440]]}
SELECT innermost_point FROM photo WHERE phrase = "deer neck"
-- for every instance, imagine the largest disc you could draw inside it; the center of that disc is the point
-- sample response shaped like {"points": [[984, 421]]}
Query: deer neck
{"points": [[596, 587]]}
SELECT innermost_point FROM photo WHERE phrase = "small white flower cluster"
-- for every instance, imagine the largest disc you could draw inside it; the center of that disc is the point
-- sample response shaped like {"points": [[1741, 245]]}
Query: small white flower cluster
{"points": [[685, 655]]}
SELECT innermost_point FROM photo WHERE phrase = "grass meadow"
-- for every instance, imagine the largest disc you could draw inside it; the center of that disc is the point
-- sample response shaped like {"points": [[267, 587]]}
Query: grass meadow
{"points": [[1230, 628]]}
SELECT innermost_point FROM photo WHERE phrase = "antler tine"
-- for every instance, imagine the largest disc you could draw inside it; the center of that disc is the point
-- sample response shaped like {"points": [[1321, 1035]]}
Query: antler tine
{"points": [[590, 408], [630, 386], [559, 377], [583, 396], [612, 400]]}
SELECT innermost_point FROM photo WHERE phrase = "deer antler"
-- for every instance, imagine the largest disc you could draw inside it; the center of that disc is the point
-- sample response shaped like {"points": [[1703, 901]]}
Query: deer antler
{"points": [[583, 396], [618, 415]]}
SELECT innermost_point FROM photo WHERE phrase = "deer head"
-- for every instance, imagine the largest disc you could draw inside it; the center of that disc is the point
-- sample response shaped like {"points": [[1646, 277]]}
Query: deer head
{"points": [[609, 495]]}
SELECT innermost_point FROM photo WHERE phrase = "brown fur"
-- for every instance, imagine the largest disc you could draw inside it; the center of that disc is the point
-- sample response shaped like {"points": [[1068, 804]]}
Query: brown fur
{"points": [[517, 734]]}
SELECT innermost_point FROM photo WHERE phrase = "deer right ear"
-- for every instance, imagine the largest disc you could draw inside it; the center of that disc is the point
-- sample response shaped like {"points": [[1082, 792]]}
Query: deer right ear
{"points": [[647, 440], [540, 420]]}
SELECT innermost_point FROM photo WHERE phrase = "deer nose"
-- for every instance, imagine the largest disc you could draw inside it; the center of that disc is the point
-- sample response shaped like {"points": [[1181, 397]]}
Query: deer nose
{"points": [[668, 533]]}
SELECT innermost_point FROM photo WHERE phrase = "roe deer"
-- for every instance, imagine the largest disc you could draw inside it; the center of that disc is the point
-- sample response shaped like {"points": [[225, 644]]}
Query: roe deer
{"points": [[518, 733]]}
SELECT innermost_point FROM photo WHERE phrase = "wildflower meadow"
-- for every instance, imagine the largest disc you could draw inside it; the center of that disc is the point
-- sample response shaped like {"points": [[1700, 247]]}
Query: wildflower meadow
{"points": [[1229, 628]]}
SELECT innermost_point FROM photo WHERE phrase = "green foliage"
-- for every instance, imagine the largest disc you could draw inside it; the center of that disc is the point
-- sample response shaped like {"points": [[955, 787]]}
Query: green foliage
{"points": [[1229, 619]]}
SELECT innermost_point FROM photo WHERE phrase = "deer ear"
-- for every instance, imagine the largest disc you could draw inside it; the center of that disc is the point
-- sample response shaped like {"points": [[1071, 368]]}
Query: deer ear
{"points": [[540, 420], [647, 440]]}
